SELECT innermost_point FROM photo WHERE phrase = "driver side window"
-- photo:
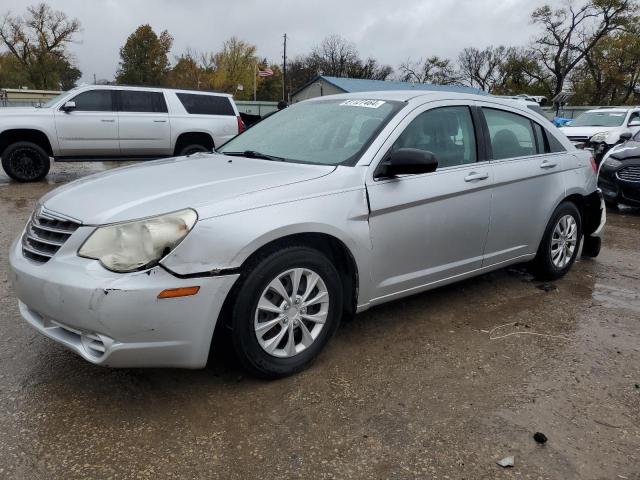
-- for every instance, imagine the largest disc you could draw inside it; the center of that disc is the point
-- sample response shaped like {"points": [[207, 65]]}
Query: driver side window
{"points": [[447, 132]]}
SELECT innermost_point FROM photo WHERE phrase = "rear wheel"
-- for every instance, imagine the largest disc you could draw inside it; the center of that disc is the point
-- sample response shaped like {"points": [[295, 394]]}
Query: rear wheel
{"points": [[25, 162], [285, 311], [559, 246], [193, 148]]}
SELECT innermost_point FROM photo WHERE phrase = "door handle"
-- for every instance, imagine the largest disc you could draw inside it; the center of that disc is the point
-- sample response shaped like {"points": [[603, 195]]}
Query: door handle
{"points": [[107, 120], [159, 121], [476, 176], [548, 164]]}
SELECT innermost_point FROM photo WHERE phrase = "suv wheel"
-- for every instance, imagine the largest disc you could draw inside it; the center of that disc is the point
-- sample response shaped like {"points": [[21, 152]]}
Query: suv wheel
{"points": [[25, 162], [285, 311], [559, 246], [191, 149]]}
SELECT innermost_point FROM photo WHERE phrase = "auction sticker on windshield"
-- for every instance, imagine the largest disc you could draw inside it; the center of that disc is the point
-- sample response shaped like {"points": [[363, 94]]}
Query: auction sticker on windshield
{"points": [[362, 103]]}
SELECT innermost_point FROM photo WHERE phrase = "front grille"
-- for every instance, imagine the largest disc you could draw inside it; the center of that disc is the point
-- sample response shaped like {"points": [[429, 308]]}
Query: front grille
{"points": [[578, 139], [630, 173], [45, 234]]}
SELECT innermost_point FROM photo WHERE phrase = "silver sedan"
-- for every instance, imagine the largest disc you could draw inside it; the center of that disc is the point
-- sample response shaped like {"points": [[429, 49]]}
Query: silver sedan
{"points": [[322, 210]]}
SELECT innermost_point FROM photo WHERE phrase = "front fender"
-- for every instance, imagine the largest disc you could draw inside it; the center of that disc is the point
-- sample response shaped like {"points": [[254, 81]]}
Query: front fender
{"points": [[225, 242]]}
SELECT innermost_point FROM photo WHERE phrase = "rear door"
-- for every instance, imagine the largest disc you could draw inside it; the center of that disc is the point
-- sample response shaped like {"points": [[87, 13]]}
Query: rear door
{"points": [[431, 227], [527, 183], [144, 123], [91, 129]]}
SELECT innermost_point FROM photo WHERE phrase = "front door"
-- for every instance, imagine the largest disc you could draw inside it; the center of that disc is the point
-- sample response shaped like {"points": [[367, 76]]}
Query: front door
{"points": [[91, 129], [432, 227], [144, 123]]}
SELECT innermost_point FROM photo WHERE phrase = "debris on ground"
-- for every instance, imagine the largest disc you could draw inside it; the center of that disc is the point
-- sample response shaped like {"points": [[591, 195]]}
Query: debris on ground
{"points": [[540, 437], [547, 287], [506, 462]]}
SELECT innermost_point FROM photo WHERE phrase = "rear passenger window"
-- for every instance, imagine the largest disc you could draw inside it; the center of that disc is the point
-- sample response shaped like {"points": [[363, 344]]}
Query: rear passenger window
{"points": [[541, 141], [511, 134], [142, 102], [206, 104], [94, 101], [446, 132]]}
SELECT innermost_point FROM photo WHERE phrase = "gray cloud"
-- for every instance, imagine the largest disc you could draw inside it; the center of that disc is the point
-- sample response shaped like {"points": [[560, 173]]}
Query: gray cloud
{"points": [[390, 30]]}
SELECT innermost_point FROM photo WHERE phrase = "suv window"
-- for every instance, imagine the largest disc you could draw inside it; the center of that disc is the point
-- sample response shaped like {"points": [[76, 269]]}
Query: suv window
{"points": [[511, 134], [447, 132], [206, 104], [94, 101], [634, 117], [144, 102]]}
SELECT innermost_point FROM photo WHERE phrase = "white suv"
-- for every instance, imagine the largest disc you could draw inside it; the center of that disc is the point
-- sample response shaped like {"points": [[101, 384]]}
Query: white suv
{"points": [[114, 122]]}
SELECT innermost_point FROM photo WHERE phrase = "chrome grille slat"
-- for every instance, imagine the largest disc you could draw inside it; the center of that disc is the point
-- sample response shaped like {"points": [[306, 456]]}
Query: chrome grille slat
{"points": [[630, 173], [45, 234]]}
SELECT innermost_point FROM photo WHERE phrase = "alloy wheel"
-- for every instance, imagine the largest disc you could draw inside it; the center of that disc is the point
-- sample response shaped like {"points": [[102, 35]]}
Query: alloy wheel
{"points": [[291, 312], [564, 241]]}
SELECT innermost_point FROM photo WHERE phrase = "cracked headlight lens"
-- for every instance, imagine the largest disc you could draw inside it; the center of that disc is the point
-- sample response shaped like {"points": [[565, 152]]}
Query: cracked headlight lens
{"points": [[138, 244]]}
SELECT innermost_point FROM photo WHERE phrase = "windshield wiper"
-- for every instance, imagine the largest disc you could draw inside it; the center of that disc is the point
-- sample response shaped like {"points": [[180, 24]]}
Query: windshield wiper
{"points": [[254, 154]]}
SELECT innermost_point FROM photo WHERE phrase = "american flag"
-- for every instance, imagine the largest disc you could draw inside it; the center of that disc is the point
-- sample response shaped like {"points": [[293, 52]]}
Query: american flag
{"points": [[267, 72]]}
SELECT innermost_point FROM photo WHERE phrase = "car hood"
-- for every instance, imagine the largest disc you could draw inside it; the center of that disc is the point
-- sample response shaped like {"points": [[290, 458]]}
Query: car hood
{"points": [[630, 149], [585, 131], [163, 186]]}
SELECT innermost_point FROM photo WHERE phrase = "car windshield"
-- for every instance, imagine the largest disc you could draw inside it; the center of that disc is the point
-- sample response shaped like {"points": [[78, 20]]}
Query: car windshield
{"points": [[599, 119], [54, 100], [326, 132]]}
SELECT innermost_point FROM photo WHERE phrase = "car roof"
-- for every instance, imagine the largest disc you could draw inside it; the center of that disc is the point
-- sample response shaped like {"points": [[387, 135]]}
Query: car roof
{"points": [[609, 110], [150, 89], [419, 97]]}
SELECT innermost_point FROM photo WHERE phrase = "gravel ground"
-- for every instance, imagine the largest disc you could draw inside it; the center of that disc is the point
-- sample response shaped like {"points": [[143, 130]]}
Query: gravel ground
{"points": [[419, 388]]}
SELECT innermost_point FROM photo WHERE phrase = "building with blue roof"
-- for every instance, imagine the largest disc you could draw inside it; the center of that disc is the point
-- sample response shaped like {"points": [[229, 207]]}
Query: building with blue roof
{"points": [[323, 85]]}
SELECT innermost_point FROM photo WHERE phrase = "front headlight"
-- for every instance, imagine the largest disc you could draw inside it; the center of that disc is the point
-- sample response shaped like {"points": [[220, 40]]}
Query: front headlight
{"points": [[139, 244], [599, 137], [612, 163]]}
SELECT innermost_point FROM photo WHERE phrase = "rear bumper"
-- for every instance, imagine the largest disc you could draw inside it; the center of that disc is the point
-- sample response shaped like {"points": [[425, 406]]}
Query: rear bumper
{"points": [[114, 319]]}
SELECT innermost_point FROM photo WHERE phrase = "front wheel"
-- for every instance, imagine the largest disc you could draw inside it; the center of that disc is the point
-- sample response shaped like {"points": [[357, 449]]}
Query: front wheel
{"points": [[25, 162], [559, 246], [285, 311]]}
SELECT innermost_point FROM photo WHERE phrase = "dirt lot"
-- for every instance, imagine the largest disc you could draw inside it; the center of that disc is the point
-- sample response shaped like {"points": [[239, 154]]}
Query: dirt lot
{"points": [[420, 388]]}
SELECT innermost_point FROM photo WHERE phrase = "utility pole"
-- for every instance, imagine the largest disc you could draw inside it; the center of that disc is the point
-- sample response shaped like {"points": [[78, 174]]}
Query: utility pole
{"points": [[284, 70], [94, 79]]}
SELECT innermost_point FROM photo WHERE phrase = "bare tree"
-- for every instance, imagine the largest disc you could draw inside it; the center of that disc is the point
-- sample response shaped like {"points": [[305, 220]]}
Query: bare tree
{"points": [[335, 56], [571, 32], [39, 43], [436, 70], [482, 68]]}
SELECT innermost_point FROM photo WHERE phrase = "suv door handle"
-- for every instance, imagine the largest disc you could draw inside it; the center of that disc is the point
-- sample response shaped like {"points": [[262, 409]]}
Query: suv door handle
{"points": [[476, 176], [548, 164], [159, 121], [108, 120]]}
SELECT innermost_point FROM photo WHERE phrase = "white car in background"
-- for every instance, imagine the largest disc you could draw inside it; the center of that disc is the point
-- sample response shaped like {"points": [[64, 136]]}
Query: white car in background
{"points": [[114, 122], [603, 128]]}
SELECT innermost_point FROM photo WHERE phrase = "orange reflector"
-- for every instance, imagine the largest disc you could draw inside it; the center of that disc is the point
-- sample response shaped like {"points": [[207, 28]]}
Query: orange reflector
{"points": [[178, 292]]}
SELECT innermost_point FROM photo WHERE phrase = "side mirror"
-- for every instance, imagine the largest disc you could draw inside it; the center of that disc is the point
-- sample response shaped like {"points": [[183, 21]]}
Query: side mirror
{"points": [[68, 106], [634, 123], [408, 161], [626, 136]]}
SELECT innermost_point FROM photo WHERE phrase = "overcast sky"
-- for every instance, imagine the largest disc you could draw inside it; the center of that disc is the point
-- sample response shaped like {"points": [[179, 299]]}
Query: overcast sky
{"points": [[390, 30]]}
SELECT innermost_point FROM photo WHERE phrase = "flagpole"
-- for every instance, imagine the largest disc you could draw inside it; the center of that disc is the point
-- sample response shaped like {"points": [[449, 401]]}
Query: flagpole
{"points": [[255, 74]]}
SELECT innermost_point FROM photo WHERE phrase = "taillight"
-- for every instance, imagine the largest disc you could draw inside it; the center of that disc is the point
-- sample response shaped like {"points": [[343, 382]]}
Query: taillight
{"points": [[594, 166], [241, 127]]}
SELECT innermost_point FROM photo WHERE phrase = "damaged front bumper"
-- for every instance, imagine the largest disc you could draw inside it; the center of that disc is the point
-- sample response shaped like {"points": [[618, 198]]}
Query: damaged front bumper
{"points": [[116, 319]]}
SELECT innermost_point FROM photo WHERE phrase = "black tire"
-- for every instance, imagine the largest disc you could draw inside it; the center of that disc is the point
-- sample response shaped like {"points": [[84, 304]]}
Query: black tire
{"points": [[245, 299], [542, 265], [591, 246], [193, 148], [25, 162]]}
